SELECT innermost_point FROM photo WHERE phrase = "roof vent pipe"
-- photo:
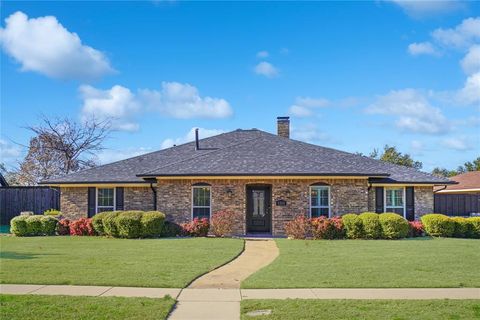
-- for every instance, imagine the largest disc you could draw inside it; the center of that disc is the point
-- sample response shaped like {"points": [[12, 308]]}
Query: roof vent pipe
{"points": [[197, 144]]}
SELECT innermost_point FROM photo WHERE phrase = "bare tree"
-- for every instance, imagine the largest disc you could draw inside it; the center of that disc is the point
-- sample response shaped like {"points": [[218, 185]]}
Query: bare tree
{"points": [[62, 146]]}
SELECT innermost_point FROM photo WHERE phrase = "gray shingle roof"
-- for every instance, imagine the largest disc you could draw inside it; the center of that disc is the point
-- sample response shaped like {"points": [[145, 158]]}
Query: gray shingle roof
{"points": [[247, 152]]}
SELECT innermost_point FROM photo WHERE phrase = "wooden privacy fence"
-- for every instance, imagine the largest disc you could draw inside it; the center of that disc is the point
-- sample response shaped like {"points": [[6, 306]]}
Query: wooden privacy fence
{"points": [[14, 200], [457, 204]]}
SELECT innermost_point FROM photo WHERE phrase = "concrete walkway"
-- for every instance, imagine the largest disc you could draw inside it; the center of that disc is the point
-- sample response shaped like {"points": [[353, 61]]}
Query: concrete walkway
{"points": [[216, 295], [257, 254]]}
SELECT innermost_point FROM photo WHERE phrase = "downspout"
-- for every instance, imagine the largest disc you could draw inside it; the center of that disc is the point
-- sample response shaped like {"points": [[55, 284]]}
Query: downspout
{"points": [[444, 187], [154, 197]]}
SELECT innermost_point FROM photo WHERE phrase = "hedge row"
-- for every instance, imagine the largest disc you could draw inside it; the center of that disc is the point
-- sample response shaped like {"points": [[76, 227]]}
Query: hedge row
{"points": [[129, 224], [367, 225], [439, 225], [31, 225]]}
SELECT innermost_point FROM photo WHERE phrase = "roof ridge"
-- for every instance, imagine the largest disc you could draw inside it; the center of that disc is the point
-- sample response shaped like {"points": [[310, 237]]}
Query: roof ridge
{"points": [[197, 156]]}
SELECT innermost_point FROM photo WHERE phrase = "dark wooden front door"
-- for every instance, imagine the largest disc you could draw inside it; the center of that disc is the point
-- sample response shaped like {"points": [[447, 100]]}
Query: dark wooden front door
{"points": [[259, 203]]}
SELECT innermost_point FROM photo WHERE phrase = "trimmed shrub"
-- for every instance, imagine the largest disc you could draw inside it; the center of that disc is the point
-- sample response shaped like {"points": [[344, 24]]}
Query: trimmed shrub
{"points": [[353, 226], [152, 223], [438, 225], [298, 228], [110, 224], [196, 228], [371, 225], [52, 212], [81, 227], [171, 229], [97, 222], [63, 227], [416, 228], [394, 226], [34, 225], [462, 227], [475, 226], [324, 228], [18, 226], [129, 225], [49, 225], [222, 223]]}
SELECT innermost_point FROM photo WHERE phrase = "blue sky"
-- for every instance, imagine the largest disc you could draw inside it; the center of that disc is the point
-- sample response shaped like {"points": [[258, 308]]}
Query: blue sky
{"points": [[352, 75]]}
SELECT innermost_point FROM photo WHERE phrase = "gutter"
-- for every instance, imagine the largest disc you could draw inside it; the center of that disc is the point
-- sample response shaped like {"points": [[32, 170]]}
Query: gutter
{"points": [[154, 191], [444, 187]]}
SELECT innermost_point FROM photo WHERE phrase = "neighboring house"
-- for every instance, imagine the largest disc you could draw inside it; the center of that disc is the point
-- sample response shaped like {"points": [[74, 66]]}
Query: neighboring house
{"points": [[265, 179], [461, 199]]}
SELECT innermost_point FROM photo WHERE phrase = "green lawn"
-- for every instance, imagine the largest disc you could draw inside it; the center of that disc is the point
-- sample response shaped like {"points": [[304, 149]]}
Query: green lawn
{"points": [[364, 309], [412, 263], [115, 262], [68, 307]]}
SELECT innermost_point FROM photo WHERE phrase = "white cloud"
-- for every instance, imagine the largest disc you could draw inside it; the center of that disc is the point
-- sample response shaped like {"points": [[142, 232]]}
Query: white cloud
{"points": [[262, 54], [417, 147], [43, 45], [9, 153], [419, 9], [190, 136], [117, 104], [470, 93], [304, 106], [309, 133], [266, 69], [465, 34], [471, 62], [420, 48], [412, 110], [458, 143], [112, 155], [183, 101]]}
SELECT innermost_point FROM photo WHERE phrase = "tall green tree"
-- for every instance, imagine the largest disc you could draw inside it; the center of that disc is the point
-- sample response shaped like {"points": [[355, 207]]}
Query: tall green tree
{"points": [[466, 167], [392, 155]]}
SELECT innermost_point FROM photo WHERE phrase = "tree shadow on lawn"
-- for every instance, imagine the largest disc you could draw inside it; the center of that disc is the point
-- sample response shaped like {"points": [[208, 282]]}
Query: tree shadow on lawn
{"points": [[20, 256]]}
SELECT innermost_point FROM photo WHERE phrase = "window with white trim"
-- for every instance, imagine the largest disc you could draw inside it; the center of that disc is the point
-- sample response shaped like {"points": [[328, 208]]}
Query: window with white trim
{"points": [[201, 199], [105, 199], [395, 200], [319, 201]]}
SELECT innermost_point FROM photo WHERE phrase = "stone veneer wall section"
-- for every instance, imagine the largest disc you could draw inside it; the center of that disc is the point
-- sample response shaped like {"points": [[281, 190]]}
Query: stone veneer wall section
{"points": [[74, 202], [138, 198], [423, 201], [347, 196]]}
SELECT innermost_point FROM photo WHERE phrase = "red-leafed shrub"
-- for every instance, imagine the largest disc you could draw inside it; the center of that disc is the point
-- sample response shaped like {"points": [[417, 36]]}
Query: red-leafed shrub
{"points": [[324, 228], [222, 223], [196, 228], [81, 227], [416, 228], [63, 227], [298, 228]]}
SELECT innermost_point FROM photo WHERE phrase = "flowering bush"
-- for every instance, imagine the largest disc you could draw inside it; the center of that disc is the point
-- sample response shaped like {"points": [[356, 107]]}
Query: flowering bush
{"points": [[63, 227], [196, 228], [81, 227], [298, 228], [416, 228], [222, 222], [324, 228]]}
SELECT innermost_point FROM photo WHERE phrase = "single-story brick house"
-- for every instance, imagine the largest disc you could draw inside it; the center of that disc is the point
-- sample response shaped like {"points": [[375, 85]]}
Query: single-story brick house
{"points": [[265, 179]]}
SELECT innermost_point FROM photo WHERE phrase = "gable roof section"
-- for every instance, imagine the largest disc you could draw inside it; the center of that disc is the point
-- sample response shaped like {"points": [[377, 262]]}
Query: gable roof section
{"points": [[468, 181], [247, 153]]}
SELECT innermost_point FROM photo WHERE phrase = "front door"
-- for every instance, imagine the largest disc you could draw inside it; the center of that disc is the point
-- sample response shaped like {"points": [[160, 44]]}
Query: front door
{"points": [[259, 216]]}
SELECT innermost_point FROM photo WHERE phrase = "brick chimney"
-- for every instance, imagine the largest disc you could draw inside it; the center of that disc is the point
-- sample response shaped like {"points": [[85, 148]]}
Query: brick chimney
{"points": [[283, 127]]}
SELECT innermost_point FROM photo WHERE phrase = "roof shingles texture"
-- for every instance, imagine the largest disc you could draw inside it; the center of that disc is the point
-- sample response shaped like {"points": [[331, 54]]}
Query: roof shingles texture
{"points": [[246, 152]]}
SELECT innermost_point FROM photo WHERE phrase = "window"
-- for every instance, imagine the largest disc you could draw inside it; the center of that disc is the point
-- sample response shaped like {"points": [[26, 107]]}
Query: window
{"points": [[201, 202], [105, 199], [319, 201], [395, 200]]}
